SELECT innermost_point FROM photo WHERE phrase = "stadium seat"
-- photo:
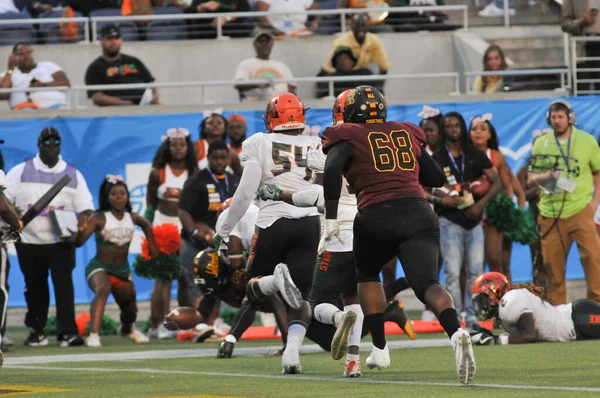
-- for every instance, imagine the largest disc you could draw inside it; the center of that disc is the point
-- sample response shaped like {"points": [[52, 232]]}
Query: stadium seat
{"points": [[12, 34], [330, 24], [170, 29], [129, 29], [51, 31]]}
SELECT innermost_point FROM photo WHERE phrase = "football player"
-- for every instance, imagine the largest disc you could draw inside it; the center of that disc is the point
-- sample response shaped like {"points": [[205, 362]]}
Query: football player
{"points": [[385, 163], [287, 236], [527, 316]]}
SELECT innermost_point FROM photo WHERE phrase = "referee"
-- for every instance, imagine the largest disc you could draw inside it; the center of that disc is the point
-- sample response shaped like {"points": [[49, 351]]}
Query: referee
{"points": [[41, 251]]}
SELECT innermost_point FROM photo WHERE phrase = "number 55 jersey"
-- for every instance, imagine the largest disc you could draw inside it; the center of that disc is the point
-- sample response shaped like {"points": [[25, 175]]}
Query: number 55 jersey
{"points": [[282, 158], [384, 162]]}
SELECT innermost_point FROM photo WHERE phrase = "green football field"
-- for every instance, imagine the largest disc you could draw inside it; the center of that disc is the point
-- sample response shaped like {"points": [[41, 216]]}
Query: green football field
{"points": [[421, 368]]}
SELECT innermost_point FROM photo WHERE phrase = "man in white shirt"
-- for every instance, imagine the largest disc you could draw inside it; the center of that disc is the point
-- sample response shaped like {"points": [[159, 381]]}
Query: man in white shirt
{"points": [[288, 24], [23, 72], [41, 250], [262, 67]]}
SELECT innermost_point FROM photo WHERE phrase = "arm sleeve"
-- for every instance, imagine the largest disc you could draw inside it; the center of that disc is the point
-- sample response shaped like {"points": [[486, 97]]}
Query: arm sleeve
{"points": [[13, 182], [83, 197], [309, 197], [430, 173], [337, 158], [241, 199], [251, 151]]}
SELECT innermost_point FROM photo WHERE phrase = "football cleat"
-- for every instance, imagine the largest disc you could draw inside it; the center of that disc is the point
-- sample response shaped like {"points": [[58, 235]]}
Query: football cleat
{"points": [[352, 369], [379, 359], [286, 286], [394, 312], [290, 361], [136, 336], [463, 352], [93, 340], [339, 343], [202, 332], [36, 339], [225, 349]]}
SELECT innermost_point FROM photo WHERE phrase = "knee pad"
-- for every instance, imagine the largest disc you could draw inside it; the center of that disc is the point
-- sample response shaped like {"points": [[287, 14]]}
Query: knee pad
{"points": [[254, 293]]}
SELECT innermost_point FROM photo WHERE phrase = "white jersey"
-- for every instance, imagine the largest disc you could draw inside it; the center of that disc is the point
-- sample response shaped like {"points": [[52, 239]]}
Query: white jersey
{"points": [[282, 159], [553, 323], [347, 207], [244, 229]]}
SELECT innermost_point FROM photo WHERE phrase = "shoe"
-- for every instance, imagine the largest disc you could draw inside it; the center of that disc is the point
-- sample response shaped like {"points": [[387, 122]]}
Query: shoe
{"points": [[36, 339], [339, 343], [286, 286], [491, 10], [202, 332], [217, 336], [379, 359], [290, 361], [395, 312], [136, 336], [93, 340], [463, 352], [164, 333], [428, 316], [70, 340], [7, 344], [352, 369], [225, 349]]}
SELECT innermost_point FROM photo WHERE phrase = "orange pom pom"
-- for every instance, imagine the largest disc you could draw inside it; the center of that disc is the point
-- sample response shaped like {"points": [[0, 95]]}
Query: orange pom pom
{"points": [[166, 238]]}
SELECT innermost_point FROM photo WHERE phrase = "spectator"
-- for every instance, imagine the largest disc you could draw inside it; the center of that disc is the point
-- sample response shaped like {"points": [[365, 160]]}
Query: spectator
{"points": [[236, 132], [199, 206], [493, 59], [213, 128], [262, 67], [24, 72], [405, 21], [580, 18], [8, 6], [431, 123], [461, 232], [343, 61], [207, 28], [87, 6], [496, 9], [366, 47], [567, 163], [376, 19], [41, 250], [114, 67], [288, 24], [36, 8]]}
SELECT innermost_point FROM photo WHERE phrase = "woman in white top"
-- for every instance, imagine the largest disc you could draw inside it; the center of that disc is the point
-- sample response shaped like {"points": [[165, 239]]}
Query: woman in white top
{"points": [[526, 314], [173, 163], [109, 272], [288, 24]]}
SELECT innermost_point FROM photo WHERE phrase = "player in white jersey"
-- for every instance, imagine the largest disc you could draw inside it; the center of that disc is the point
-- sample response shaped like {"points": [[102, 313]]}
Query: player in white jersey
{"points": [[287, 236], [527, 316]]}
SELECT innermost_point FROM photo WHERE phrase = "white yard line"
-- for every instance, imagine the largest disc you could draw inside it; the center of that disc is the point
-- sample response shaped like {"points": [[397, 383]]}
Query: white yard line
{"points": [[361, 380]]}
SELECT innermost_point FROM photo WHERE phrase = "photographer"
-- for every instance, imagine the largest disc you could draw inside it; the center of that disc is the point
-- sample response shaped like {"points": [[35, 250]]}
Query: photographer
{"points": [[566, 164]]}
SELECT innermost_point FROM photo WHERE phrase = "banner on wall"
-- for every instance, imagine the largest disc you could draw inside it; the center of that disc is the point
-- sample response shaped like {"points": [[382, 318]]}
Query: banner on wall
{"points": [[126, 145]]}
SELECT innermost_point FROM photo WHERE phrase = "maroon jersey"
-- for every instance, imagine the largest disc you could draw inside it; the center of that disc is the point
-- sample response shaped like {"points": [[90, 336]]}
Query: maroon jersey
{"points": [[384, 164]]}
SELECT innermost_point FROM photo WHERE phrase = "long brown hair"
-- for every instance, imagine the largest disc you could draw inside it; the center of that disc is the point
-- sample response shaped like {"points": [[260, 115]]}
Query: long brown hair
{"points": [[503, 66]]}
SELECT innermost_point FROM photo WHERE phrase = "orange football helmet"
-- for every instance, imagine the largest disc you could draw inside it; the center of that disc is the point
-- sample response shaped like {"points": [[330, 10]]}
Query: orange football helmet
{"points": [[487, 292], [338, 107], [285, 112]]}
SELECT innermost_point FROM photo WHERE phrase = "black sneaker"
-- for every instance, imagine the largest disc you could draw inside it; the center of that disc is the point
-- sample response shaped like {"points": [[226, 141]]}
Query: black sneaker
{"points": [[225, 349], [36, 339], [70, 340]]}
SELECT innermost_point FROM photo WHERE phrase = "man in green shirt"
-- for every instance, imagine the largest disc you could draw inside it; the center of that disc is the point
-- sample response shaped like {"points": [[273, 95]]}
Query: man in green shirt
{"points": [[566, 163]]}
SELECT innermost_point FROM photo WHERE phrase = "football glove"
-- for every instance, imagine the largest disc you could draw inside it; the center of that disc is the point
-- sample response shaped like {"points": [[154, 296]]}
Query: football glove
{"points": [[331, 230], [482, 338], [220, 243], [269, 192]]}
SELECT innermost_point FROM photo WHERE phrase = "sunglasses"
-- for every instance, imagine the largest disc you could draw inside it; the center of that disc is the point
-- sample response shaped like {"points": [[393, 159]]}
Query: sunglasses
{"points": [[51, 144]]}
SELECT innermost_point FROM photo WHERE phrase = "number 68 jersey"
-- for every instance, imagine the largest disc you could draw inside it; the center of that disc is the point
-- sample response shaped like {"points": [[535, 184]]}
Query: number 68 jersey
{"points": [[282, 158], [384, 164]]}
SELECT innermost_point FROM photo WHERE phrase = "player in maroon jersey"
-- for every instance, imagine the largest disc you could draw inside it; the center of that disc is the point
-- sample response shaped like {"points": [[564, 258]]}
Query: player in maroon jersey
{"points": [[385, 163]]}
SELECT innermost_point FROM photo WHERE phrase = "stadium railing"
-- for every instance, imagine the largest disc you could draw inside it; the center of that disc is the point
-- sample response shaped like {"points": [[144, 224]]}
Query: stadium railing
{"points": [[576, 42], [525, 79], [17, 30]]}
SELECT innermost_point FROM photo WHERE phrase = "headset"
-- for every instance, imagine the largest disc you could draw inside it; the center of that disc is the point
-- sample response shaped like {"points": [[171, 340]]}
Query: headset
{"points": [[570, 114]]}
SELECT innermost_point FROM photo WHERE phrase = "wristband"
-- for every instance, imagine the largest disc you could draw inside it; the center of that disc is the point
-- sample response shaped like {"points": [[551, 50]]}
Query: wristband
{"points": [[192, 234], [503, 339], [20, 226]]}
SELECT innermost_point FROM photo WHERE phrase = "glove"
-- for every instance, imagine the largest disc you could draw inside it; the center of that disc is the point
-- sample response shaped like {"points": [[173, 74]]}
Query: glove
{"points": [[170, 325], [332, 229], [220, 243], [481, 338], [269, 191]]}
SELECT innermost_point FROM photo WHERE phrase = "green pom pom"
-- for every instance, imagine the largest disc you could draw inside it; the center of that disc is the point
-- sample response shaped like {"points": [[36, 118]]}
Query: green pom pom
{"points": [[51, 328], [227, 315], [167, 267], [514, 222], [146, 326], [149, 213], [108, 327]]}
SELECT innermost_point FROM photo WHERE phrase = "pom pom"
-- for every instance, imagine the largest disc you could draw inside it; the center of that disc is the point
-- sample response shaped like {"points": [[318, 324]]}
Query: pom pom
{"points": [[167, 238], [514, 222], [51, 328], [167, 267]]}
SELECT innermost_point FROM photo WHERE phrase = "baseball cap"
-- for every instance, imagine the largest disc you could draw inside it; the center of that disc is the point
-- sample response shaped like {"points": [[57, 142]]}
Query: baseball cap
{"points": [[263, 32], [110, 31], [49, 132]]}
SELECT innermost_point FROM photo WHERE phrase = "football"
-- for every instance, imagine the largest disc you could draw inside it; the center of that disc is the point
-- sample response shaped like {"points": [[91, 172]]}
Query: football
{"points": [[480, 186], [184, 317]]}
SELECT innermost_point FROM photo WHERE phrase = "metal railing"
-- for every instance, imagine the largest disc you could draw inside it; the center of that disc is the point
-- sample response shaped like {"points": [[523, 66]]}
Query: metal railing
{"points": [[49, 21], [592, 82], [563, 72]]}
